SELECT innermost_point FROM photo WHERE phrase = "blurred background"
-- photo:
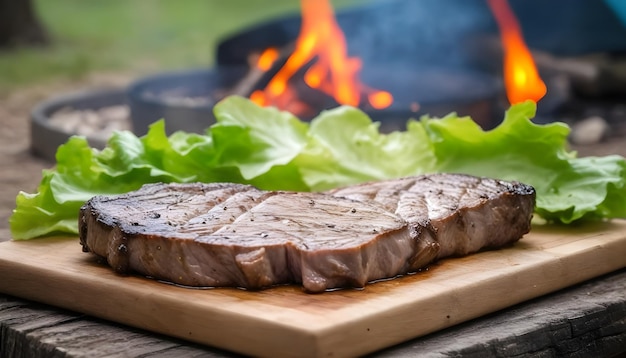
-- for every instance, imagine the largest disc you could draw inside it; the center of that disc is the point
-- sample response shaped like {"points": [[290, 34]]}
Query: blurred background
{"points": [[69, 39]]}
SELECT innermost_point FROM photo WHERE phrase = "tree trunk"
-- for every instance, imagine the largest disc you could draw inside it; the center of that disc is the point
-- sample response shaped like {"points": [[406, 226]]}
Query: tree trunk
{"points": [[19, 24]]}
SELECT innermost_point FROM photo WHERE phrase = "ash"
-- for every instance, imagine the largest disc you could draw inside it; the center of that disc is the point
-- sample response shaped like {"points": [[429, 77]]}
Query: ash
{"points": [[96, 124]]}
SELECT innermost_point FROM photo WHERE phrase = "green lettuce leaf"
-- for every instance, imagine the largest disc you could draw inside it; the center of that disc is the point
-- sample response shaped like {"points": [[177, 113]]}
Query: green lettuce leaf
{"points": [[345, 147], [568, 188], [260, 142], [274, 150]]}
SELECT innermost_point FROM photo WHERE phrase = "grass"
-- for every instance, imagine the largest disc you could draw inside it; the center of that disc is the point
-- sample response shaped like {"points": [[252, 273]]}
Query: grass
{"points": [[137, 36]]}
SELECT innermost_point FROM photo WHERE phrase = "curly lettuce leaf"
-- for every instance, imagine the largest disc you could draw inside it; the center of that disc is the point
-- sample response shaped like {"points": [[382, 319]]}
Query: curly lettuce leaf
{"points": [[345, 147], [260, 143], [568, 188], [256, 139], [274, 150]]}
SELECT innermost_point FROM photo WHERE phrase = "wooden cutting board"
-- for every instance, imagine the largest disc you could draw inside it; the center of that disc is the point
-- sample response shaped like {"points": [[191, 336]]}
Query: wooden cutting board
{"points": [[285, 322]]}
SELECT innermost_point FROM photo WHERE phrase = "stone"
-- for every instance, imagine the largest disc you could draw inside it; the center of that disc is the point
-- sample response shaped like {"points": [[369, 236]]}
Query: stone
{"points": [[588, 131]]}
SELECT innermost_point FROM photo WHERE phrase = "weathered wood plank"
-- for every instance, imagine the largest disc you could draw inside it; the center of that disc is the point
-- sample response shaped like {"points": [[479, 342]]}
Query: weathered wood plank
{"points": [[30, 329], [588, 320]]}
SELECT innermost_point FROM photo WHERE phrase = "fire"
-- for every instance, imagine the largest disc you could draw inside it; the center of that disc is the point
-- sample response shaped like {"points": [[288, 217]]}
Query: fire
{"points": [[321, 45], [267, 58], [521, 78]]}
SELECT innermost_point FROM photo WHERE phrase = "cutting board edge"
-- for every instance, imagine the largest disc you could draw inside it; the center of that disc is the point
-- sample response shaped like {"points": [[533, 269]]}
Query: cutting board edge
{"points": [[296, 336], [612, 251]]}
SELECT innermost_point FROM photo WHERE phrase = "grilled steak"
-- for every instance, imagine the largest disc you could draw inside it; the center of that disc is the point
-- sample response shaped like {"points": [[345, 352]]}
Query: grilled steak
{"points": [[465, 213], [236, 235]]}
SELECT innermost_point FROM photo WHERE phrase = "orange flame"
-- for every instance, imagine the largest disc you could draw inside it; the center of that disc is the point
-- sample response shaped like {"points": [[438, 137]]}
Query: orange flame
{"points": [[267, 58], [521, 78], [322, 43]]}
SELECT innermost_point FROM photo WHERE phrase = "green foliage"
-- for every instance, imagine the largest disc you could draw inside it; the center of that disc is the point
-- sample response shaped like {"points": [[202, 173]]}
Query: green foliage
{"points": [[137, 36]]}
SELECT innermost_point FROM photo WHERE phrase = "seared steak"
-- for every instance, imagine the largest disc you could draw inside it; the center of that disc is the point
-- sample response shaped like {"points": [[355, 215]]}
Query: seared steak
{"points": [[237, 235], [465, 213]]}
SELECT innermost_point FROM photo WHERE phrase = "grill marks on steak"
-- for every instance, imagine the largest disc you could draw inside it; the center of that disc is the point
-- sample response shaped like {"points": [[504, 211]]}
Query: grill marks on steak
{"points": [[237, 235], [319, 240], [464, 213]]}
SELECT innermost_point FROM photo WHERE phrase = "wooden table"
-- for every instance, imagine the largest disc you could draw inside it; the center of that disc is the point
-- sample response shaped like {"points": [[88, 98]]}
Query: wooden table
{"points": [[587, 320]]}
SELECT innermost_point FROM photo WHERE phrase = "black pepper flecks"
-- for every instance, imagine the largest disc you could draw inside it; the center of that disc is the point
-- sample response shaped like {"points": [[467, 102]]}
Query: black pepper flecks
{"points": [[122, 249]]}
